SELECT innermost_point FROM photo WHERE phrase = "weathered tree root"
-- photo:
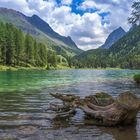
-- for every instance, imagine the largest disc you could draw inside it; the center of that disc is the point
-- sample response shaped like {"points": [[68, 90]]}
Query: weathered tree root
{"points": [[59, 108], [65, 97], [103, 108], [61, 111]]}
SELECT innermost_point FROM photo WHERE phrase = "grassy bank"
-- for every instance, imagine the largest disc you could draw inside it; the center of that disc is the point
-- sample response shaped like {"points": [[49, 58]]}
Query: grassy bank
{"points": [[4, 68], [100, 68], [15, 68], [58, 67]]}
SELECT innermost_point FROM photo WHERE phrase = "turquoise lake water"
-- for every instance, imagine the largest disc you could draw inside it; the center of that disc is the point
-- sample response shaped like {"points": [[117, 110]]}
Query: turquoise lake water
{"points": [[24, 98]]}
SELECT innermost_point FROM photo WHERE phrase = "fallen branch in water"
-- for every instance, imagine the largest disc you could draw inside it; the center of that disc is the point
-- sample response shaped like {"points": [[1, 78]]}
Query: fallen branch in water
{"points": [[105, 109]]}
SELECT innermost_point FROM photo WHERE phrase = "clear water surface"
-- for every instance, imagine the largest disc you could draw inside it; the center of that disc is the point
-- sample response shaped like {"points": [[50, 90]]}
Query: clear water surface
{"points": [[24, 98]]}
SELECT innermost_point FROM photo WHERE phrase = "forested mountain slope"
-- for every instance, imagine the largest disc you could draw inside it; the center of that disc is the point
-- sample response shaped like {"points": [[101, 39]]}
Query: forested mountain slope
{"points": [[19, 49], [36, 27], [45, 28], [125, 53]]}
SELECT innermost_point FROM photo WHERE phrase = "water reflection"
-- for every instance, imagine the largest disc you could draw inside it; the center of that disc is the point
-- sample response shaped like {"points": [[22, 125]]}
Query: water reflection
{"points": [[122, 133]]}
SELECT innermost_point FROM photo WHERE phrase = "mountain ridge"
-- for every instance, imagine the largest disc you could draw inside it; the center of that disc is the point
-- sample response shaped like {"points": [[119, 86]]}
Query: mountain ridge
{"points": [[124, 53], [25, 23], [113, 37], [45, 27]]}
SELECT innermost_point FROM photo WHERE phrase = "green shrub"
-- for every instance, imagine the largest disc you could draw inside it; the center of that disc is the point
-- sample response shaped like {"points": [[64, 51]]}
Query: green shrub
{"points": [[137, 78]]}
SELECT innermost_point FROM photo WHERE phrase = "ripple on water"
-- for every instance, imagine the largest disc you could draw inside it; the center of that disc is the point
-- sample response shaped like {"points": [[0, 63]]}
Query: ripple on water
{"points": [[23, 114]]}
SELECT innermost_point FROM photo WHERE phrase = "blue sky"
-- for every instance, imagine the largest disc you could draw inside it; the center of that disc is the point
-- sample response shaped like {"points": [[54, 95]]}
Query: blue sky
{"points": [[88, 22], [76, 3]]}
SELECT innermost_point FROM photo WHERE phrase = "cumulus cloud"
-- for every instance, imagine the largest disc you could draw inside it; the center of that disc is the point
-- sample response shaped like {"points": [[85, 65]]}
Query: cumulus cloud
{"points": [[90, 29], [118, 9], [66, 2], [17, 5]]}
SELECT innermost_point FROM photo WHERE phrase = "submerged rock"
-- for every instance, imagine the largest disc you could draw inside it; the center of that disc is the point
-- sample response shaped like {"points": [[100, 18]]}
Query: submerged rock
{"points": [[27, 130]]}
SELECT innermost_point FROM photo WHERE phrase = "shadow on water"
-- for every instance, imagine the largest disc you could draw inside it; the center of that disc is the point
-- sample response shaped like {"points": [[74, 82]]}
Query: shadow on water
{"points": [[122, 133]]}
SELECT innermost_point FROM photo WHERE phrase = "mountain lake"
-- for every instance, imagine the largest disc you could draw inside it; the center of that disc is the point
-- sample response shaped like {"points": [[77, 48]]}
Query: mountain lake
{"points": [[24, 99]]}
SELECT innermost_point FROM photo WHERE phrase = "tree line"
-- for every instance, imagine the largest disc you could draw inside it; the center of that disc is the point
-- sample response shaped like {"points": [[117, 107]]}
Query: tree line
{"points": [[125, 53], [20, 49]]}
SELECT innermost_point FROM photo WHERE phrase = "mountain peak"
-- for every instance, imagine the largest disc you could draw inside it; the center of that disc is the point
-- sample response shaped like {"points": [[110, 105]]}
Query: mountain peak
{"points": [[120, 29], [113, 37], [37, 27], [35, 16], [45, 28]]}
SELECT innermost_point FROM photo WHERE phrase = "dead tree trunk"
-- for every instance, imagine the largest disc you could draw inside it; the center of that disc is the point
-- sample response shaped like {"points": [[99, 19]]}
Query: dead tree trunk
{"points": [[103, 108]]}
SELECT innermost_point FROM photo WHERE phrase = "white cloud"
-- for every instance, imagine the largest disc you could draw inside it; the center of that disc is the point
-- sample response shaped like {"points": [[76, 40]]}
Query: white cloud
{"points": [[86, 30], [92, 4], [17, 5], [118, 9], [118, 14], [66, 2]]}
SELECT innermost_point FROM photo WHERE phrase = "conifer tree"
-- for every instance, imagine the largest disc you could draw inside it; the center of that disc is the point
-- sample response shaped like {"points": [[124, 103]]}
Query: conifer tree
{"points": [[135, 15], [29, 49], [19, 46], [10, 45], [3, 43], [20, 49]]}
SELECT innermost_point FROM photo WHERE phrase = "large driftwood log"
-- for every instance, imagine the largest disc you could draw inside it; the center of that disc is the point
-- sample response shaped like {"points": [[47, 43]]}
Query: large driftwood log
{"points": [[103, 108]]}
